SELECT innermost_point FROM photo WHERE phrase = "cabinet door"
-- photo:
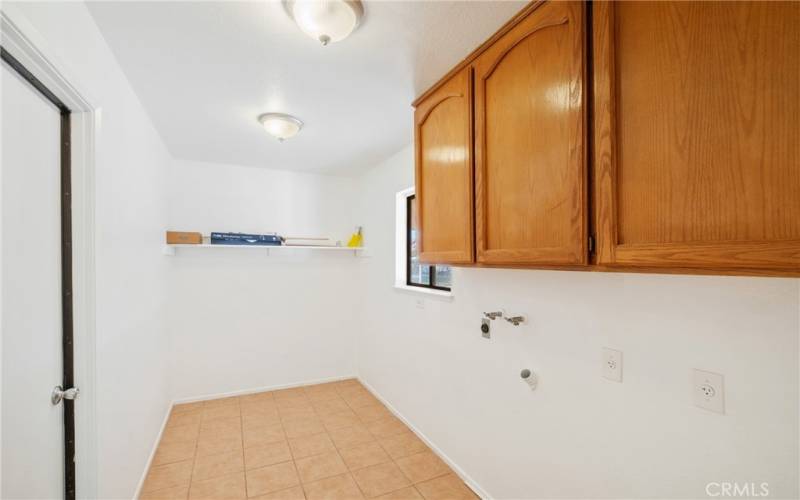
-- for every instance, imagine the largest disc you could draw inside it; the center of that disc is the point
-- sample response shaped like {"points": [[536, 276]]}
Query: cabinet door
{"points": [[697, 142], [530, 141], [443, 138]]}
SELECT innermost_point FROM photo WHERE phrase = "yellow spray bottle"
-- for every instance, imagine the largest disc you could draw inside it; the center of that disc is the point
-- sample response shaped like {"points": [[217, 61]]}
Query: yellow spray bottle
{"points": [[356, 240]]}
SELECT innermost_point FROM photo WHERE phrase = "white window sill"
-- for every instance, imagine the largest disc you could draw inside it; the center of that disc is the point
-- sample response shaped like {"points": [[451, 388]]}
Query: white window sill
{"points": [[424, 291]]}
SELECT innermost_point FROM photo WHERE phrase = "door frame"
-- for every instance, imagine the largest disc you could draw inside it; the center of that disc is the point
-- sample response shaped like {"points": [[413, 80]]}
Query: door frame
{"points": [[21, 40]]}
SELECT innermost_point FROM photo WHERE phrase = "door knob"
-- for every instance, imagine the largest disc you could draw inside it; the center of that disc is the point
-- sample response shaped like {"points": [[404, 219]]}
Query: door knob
{"points": [[58, 394]]}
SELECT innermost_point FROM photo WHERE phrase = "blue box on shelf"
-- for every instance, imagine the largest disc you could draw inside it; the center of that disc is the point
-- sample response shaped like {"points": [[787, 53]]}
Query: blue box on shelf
{"points": [[245, 239]]}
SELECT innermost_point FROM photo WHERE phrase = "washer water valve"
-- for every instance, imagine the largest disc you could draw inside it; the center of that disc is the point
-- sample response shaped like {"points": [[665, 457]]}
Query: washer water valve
{"points": [[485, 328], [530, 378]]}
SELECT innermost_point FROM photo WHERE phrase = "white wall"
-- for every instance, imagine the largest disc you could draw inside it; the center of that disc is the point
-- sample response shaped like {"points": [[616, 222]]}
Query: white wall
{"points": [[240, 319], [131, 274], [579, 435]]}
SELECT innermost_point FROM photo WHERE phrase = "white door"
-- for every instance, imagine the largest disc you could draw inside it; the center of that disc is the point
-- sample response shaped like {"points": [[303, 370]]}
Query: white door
{"points": [[32, 363]]}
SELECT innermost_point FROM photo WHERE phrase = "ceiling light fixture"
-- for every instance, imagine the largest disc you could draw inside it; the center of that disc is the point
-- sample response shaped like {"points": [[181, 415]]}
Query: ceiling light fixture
{"points": [[326, 20], [280, 125]]}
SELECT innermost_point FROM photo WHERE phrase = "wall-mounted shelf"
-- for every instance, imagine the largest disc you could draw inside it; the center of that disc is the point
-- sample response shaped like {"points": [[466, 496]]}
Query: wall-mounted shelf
{"points": [[357, 252]]}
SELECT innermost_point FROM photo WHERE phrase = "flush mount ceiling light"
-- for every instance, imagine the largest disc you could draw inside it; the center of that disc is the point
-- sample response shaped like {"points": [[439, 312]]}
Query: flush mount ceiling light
{"points": [[280, 125], [326, 20]]}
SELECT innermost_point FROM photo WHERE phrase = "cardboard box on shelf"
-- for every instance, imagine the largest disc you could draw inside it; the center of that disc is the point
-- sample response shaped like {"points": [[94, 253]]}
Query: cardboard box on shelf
{"points": [[184, 238]]}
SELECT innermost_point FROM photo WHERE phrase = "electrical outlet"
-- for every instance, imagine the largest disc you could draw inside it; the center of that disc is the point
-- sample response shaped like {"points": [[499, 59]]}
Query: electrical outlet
{"points": [[708, 391], [612, 364], [420, 303]]}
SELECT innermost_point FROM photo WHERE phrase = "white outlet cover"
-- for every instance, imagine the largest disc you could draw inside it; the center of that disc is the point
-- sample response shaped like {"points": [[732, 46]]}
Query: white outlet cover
{"points": [[612, 364], [708, 391]]}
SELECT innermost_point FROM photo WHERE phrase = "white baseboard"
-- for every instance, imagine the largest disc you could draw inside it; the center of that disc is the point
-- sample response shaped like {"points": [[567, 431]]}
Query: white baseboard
{"points": [[217, 396], [153, 452], [254, 390], [471, 483]]}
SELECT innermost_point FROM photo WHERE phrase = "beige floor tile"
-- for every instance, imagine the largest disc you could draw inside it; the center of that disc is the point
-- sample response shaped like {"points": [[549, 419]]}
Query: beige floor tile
{"points": [[216, 403], [423, 466], [303, 427], [185, 418], [348, 437], [402, 445], [229, 486], [353, 391], [296, 403], [359, 400], [291, 392], [409, 493], [258, 408], [348, 382], [186, 407], [338, 420], [333, 488], [295, 493], [176, 493], [385, 427], [369, 413], [320, 466], [259, 419], [364, 455], [168, 476], [268, 454], [264, 434], [321, 392], [328, 406], [379, 479], [213, 445], [297, 413], [225, 411], [217, 426], [211, 466], [271, 478], [174, 451], [449, 487], [257, 397], [187, 432], [310, 445]]}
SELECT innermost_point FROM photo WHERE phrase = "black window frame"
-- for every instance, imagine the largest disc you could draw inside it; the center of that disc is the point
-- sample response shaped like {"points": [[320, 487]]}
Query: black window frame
{"points": [[432, 267]]}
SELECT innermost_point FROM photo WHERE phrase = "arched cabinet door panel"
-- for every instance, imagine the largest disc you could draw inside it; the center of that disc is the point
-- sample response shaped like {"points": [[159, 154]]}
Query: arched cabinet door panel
{"points": [[697, 156], [443, 141], [530, 128]]}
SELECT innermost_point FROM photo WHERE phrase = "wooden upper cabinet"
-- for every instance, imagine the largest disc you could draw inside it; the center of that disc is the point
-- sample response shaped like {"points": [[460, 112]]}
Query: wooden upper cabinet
{"points": [[530, 170], [697, 134], [443, 139]]}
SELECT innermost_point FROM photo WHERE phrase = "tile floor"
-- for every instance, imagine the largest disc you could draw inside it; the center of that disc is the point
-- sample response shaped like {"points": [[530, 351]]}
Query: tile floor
{"points": [[327, 441]]}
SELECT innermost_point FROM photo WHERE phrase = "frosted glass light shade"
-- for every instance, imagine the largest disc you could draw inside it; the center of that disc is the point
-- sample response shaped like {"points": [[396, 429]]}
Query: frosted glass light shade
{"points": [[326, 20], [280, 126]]}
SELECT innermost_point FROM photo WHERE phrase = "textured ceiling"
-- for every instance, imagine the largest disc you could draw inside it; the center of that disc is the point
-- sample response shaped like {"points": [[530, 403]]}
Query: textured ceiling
{"points": [[205, 71]]}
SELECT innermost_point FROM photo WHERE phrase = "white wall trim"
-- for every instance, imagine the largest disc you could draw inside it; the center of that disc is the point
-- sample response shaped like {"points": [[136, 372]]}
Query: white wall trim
{"points": [[23, 42], [439, 294], [255, 390], [153, 451], [471, 483]]}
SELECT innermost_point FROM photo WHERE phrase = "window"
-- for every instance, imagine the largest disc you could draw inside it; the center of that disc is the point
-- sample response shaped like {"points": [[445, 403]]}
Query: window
{"points": [[417, 273]]}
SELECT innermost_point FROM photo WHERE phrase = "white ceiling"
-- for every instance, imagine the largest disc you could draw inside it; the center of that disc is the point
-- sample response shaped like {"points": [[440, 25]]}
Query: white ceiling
{"points": [[205, 71]]}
